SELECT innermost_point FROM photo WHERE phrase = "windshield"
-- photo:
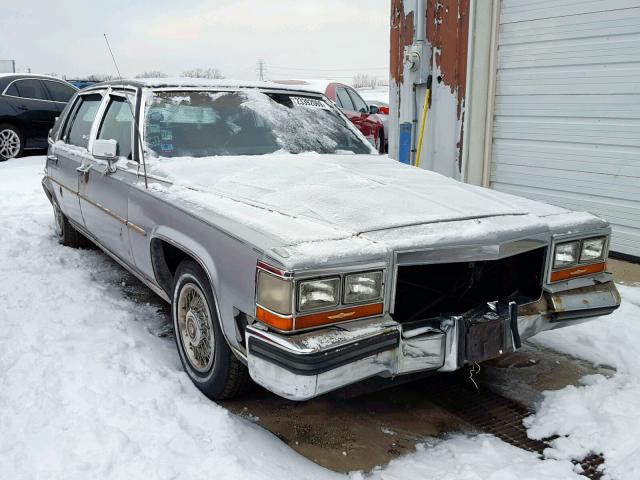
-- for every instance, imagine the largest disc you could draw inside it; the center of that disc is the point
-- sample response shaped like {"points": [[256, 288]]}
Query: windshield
{"points": [[203, 123]]}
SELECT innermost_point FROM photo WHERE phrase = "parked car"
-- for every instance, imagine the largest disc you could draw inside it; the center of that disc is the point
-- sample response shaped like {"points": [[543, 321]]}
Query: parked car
{"points": [[80, 84], [29, 105], [291, 253], [383, 115], [352, 105]]}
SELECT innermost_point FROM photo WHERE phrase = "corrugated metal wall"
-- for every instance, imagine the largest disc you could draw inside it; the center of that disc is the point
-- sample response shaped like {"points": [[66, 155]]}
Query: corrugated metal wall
{"points": [[567, 108]]}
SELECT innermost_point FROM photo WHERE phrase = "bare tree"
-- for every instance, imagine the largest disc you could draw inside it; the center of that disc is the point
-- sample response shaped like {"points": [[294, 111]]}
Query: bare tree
{"points": [[203, 73], [99, 77], [365, 80], [152, 74]]}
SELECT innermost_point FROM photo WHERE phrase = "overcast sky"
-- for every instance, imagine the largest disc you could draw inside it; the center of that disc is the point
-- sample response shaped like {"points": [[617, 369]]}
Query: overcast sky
{"points": [[296, 38]]}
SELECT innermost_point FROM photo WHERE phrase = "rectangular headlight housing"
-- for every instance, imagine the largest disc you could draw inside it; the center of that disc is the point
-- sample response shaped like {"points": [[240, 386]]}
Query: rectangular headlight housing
{"points": [[318, 294], [274, 293], [566, 254], [592, 249], [362, 287]]}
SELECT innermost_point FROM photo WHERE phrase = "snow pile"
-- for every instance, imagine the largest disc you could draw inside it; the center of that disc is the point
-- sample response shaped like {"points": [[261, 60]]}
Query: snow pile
{"points": [[87, 391], [472, 458], [602, 415]]}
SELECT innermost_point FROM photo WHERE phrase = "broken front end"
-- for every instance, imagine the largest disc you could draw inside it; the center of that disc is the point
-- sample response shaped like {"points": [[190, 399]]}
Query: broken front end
{"points": [[430, 310]]}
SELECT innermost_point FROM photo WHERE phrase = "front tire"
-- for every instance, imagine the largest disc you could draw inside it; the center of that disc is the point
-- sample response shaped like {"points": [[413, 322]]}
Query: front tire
{"points": [[204, 352], [11, 142]]}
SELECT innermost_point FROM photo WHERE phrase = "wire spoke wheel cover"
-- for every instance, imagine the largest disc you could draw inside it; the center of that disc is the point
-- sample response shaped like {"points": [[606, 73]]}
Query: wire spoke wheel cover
{"points": [[195, 327], [9, 144]]}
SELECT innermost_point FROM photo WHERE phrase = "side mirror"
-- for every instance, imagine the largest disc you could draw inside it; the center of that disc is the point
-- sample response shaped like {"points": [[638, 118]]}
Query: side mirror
{"points": [[373, 109], [105, 150]]}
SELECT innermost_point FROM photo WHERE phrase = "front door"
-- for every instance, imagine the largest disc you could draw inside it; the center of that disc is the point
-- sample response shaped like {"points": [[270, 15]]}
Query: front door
{"points": [[104, 188]]}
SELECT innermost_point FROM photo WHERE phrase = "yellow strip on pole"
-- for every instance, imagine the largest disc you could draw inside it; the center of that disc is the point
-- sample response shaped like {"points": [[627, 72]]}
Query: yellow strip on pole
{"points": [[423, 125]]}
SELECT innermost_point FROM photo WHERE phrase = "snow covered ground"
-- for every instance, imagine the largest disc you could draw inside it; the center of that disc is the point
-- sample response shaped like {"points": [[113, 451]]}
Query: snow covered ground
{"points": [[378, 94], [87, 390]]}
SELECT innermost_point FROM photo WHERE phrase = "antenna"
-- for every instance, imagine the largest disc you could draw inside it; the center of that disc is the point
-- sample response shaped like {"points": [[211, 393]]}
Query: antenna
{"points": [[133, 115]]}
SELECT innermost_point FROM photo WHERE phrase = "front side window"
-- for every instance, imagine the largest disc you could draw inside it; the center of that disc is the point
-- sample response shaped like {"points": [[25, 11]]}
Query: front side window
{"points": [[82, 120], [343, 99], [30, 88], [58, 91], [358, 103], [203, 123], [117, 125]]}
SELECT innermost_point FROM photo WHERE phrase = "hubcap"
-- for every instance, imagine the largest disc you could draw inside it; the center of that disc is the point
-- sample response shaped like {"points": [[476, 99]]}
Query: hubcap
{"points": [[195, 327], [9, 144]]}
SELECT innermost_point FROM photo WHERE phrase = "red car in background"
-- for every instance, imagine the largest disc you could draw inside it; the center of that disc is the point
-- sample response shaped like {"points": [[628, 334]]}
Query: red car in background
{"points": [[352, 105]]}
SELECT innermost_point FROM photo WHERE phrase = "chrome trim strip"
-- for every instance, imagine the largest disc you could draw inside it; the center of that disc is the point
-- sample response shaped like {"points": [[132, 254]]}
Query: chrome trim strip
{"points": [[139, 230]]}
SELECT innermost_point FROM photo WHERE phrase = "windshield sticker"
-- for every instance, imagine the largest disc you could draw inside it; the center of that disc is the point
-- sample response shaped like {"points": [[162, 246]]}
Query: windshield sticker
{"points": [[309, 102], [166, 135]]}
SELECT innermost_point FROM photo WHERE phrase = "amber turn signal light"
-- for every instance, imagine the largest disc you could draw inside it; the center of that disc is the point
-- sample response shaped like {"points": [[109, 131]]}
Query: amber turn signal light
{"points": [[578, 271]]}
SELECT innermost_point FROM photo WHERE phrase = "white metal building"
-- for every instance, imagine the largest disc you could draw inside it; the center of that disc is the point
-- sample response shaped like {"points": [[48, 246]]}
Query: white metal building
{"points": [[552, 105]]}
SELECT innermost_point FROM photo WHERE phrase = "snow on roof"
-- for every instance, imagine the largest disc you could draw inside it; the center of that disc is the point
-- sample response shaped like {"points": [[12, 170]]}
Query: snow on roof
{"points": [[223, 83], [317, 85]]}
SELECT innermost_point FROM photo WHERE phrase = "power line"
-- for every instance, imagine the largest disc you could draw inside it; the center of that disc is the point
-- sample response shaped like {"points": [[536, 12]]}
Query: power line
{"points": [[328, 69]]}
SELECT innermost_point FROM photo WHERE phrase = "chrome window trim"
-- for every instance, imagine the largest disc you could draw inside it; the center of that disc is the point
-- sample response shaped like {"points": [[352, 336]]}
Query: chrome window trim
{"points": [[4, 92]]}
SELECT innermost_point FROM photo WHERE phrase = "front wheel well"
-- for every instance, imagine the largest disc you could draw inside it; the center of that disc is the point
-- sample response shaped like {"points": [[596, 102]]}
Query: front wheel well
{"points": [[165, 258]]}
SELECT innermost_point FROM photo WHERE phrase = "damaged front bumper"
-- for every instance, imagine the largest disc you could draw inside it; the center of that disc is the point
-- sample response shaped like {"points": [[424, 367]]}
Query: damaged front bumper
{"points": [[299, 367]]}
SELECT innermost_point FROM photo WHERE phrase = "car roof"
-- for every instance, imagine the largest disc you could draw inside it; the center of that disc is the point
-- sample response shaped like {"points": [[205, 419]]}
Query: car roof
{"points": [[6, 78], [179, 82]]}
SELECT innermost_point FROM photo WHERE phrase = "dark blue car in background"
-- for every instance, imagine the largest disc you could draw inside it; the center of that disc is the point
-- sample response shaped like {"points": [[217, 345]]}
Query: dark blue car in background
{"points": [[29, 105]]}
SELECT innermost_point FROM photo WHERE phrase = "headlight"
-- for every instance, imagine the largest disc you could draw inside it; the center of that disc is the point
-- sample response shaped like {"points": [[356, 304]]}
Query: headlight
{"points": [[592, 249], [566, 254], [362, 287], [274, 293], [324, 293]]}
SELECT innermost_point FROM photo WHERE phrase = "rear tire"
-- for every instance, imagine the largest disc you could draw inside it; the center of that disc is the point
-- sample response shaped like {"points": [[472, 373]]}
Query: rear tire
{"points": [[11, 142], [380, 143], [204, 352], [67, 235]]}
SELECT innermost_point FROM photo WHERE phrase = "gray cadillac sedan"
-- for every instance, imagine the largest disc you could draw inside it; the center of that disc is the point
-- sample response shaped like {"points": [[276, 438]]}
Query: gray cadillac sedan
{"points": [[292, 254]]}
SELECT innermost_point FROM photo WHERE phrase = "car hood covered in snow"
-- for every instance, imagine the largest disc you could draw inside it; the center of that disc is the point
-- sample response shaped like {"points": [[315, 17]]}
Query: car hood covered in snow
{"points": [[311, 197]]}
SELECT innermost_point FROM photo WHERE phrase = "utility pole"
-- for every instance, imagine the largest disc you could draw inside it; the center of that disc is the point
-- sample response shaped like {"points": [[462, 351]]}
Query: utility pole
{"points": [[261, 68]]}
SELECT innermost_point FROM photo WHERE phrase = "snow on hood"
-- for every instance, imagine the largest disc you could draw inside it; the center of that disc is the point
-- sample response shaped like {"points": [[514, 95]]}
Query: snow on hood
{"points": [[352, 193], [343, 195]]}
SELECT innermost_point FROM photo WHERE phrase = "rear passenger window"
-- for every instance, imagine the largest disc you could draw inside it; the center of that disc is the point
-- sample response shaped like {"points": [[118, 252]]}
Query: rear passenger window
{"points": [[116, 125], [79, 127], [59, 91], [343, 99], [30, 88]]}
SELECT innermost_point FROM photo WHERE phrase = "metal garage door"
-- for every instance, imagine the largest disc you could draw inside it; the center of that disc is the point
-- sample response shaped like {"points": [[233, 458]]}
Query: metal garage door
{"points": [[567, 108]]}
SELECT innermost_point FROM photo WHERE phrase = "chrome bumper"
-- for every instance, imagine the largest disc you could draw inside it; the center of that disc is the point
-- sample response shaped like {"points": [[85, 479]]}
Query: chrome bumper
{"points": [[299, 367]]}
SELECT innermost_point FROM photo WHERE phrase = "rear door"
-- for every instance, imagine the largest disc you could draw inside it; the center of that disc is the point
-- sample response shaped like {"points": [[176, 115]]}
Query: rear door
{"points": [[104, 190], [35, 111], [69, 154]]}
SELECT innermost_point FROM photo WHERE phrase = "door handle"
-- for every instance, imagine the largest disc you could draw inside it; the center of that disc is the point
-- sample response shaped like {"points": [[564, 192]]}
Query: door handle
{"points": [[23, 107], [53, 159], [84, 171]]}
